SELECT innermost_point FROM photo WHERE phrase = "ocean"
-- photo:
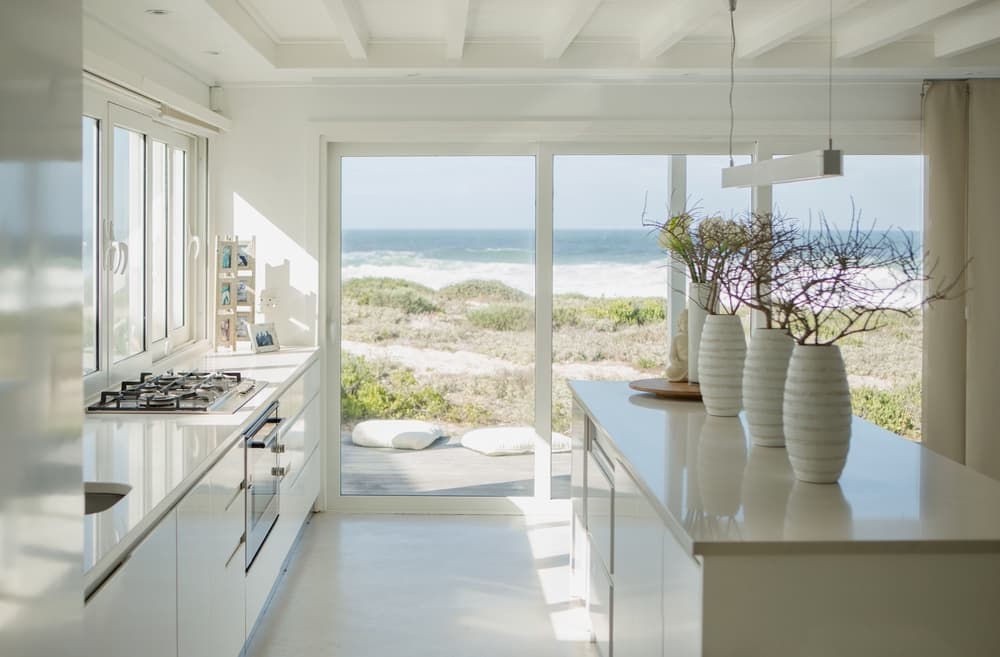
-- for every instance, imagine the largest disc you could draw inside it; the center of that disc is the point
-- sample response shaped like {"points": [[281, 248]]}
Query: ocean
{"points": [[610, 263], [595, 263]]}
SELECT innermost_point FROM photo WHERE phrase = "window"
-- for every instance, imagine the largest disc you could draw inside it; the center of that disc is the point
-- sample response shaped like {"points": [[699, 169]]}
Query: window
{"points": [[884, 367], [136, 176]]}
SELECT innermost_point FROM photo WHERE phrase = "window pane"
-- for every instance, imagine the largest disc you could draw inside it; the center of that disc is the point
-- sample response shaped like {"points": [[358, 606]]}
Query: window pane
{"points": [[158, 224], [178, 236], [883, 367], [704, 184], [90, 239], [438, 321], [610, 286], [128, 336]]}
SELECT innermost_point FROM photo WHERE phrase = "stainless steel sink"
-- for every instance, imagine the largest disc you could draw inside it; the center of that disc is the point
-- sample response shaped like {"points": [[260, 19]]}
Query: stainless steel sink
{"points": [[102, 495]]}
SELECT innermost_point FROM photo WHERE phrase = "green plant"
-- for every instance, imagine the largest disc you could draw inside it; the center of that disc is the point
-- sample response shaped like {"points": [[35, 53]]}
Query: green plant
{"points": [[628, 312], [482, 290], [897, 409], [502, 317], [411, 298], [646, 363], [563, 317]]}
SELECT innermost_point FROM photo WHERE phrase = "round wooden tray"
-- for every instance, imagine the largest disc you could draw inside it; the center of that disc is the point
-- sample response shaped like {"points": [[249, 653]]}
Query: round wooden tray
{"points": [[668, 389]]}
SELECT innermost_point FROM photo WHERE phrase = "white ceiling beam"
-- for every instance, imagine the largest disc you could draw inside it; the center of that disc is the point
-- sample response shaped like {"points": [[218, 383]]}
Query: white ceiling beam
{"points": [[456, 24], [350, 22], [678, 21], [892, 24], [567, 22], [973, 29], [233, 13], [787, 23]]}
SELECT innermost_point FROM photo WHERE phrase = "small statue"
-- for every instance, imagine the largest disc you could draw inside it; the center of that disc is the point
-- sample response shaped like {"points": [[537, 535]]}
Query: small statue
{"points": [[677, 360]]}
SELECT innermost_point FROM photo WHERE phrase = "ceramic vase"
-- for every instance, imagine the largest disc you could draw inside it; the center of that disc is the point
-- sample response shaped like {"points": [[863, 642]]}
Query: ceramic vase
{"points": [[817, 413], [764, 385], [699, 296], [721, 355]]}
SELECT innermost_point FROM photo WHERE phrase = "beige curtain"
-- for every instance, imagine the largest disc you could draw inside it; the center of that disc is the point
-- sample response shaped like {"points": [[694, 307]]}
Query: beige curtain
{"points": [[961, 392]]}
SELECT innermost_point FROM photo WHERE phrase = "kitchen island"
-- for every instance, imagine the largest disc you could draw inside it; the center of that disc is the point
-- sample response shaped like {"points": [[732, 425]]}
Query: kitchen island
{"points": [[689, 541]]}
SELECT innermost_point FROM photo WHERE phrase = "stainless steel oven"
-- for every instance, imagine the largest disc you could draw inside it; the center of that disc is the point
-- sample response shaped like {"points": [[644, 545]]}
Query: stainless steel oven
{"points": [[264, 473]]}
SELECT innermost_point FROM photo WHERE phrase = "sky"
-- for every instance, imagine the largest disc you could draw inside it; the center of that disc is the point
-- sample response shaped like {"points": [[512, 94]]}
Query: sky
{"points": [[595, 192]]}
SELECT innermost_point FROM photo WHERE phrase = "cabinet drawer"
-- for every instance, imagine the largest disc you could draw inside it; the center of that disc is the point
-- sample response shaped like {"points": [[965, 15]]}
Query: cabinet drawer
{"points": [[229, 498], [299, 442], [600, 506], [600, 607], [298, 394]]}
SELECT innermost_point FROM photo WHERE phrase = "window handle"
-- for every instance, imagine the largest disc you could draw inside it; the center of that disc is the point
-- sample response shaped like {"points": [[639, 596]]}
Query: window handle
{"points": [[123, 267], [194, 241]]}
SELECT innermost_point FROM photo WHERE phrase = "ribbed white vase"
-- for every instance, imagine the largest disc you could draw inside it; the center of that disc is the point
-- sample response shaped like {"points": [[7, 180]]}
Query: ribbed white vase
{"points": [[699, 295], [817, 413], [720, 361], [764, 385]]}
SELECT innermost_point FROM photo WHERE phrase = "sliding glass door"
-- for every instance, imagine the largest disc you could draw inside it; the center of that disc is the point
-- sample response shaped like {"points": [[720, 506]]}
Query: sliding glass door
{"points": [[438, 325]]}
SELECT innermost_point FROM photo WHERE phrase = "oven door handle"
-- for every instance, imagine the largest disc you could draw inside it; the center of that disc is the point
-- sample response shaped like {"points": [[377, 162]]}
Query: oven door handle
{"points": [[271, 436]]}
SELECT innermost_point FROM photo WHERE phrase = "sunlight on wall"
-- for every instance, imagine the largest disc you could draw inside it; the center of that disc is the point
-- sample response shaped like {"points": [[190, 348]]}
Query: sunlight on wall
{"points": [[285, 268]]}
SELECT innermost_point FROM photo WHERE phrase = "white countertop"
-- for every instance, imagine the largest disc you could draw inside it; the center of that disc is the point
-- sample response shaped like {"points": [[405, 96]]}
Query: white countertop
{"points": [[162, 456], [720, 495]]}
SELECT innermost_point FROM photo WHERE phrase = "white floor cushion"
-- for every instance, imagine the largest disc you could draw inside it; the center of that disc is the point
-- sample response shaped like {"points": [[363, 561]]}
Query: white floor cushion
{"points": [[400, 434], [504, 441]]}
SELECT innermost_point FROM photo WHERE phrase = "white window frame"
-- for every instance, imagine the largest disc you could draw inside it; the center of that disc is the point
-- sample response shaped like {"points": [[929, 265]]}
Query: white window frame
{"points": [[126, 111]]}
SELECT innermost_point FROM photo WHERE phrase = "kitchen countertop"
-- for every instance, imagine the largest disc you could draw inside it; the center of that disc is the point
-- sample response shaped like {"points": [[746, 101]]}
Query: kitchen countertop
{"points": [[720, 495], [162, 456]]}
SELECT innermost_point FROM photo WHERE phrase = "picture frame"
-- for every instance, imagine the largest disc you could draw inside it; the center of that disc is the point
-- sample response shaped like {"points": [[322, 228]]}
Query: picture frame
{"points": [[228, 253], [244, 255], [243, 323], [226, 294], [263, 337], [224, 330], [244, 292]]}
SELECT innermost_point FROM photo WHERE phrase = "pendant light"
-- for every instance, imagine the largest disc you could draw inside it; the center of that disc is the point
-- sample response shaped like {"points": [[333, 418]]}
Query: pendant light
{"points": [[825, 163]]}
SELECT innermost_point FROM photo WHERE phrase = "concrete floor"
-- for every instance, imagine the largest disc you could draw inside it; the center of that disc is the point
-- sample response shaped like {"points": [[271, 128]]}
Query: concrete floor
{"points": [[374, 585]]}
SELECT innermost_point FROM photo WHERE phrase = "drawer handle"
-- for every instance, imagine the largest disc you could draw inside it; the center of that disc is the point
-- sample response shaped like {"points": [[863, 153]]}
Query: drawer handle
{"points": [[278, 448], [243, 539], [281, 471], [236, 495]]}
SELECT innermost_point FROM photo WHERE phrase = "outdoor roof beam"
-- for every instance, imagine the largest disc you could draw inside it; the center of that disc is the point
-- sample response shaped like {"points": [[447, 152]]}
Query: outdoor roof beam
{"points": [[680, 19], [860, 37], [456, 24], [350, 22], [566, 24]]}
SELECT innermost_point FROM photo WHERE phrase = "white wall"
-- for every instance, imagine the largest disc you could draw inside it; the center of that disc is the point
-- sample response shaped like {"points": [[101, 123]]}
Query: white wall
{"points": [[262, 166]]}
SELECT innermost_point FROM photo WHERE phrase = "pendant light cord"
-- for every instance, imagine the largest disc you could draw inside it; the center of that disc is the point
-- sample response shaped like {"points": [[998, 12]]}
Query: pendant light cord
{"points": [[732, 76], [829, 90]]}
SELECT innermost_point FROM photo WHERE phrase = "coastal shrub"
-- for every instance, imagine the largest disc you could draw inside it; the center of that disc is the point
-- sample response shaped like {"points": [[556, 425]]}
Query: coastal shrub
{"points": [[896, 409], [480, 289], [411, 298], [371, 390], [502, 317], [646, 363], [628, 312], [562, 317]]}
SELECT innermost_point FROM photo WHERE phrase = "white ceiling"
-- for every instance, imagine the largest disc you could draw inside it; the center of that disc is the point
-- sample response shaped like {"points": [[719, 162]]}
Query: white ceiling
{"points": [[250, 41]]}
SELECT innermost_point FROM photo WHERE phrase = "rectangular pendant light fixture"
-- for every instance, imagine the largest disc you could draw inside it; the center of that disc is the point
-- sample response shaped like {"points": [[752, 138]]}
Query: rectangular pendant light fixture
{"points": [[802, 166]]}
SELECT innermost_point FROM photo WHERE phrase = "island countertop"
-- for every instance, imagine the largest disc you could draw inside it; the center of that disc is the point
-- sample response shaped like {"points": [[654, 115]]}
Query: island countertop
{"points": [[161, 456], [718, 494]]}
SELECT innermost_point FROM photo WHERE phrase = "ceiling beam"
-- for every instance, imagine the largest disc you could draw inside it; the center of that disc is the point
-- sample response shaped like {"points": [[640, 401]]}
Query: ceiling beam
{"points": [[678, 21], [891, 24], [233, 13], [973, 29], [567, 22], [350, 22], [456, 24], [787, 23]]}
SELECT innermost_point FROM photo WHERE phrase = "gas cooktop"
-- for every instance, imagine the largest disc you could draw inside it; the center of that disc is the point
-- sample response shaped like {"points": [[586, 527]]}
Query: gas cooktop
{"points": [[180, 392]]}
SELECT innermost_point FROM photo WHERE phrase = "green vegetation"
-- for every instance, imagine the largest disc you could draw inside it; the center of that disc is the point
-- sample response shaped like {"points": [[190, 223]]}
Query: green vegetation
{"points": [[897, 409], [502, 317], [411, 298], [482, 291], [376, 390], [628, 312]]}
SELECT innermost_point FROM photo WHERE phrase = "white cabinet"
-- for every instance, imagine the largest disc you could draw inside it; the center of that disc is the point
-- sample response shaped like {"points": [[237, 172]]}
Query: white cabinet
{"points": [[210, 560], [638, 579], [134, 612]]}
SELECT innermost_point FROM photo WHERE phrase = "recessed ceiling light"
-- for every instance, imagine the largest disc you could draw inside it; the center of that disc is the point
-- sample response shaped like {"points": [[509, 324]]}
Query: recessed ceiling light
{"points": [[157, 12]]}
